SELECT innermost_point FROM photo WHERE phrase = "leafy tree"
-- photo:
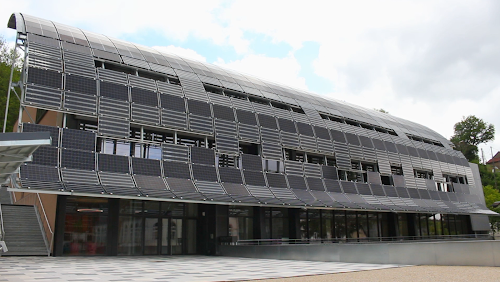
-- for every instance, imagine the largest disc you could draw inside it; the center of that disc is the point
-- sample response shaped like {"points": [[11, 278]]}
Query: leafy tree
{"points": [[469, 133], [492, 195], [7, 56], [382, 111]]}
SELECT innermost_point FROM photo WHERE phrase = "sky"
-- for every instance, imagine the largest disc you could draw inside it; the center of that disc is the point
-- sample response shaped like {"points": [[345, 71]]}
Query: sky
{"points": [[431, 62]]}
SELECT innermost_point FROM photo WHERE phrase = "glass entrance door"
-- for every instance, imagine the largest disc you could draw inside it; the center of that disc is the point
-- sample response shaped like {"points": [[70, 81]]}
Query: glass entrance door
{"points": [[151, 236], [172, 236], [176, 236]]}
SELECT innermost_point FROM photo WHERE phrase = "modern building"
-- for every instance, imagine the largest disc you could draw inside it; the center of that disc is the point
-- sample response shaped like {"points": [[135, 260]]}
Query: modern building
{"points": [[157, 154]]}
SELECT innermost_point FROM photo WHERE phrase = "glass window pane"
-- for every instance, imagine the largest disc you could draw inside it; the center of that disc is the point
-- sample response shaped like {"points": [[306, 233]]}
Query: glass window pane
{"points": [[340, 227], [151, 236], [373, 225], [130, 235], [352, 228], [314, 224], [122, 148], [130, 206]]}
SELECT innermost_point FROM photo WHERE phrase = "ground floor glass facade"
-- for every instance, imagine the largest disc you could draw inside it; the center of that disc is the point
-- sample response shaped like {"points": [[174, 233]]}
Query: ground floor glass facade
{"points": [[102, 226]]}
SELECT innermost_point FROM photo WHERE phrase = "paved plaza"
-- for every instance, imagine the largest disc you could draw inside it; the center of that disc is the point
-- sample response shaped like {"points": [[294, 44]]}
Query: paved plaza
{"points": [[166, 268]]}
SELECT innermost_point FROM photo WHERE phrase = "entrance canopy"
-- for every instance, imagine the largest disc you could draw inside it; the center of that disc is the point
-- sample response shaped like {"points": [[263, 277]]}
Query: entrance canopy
{"points": [[17, 148]]}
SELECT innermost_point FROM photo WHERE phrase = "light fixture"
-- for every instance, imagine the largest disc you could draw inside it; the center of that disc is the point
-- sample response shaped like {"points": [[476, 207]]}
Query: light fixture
{"points": [[89, 210]]}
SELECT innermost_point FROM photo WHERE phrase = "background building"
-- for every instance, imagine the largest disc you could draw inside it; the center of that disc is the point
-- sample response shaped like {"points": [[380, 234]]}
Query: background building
{"points": [[155, 154]]}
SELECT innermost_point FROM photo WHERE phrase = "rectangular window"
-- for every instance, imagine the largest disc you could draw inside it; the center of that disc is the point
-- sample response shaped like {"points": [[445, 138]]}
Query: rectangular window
{"points": [[228, 161], [331, 162], [423, 174], [396, 170], [314, 159], [250, 148], [273, 166]]}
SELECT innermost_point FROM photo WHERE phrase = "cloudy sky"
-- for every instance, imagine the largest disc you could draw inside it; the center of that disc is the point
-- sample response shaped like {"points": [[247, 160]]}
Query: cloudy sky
{"points": [[432, 62]]}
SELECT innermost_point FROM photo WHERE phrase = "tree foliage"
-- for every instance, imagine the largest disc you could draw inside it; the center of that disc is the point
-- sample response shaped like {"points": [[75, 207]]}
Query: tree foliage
{"points": [[469, 133], [381, 110], [7, 57], [492, 195]]}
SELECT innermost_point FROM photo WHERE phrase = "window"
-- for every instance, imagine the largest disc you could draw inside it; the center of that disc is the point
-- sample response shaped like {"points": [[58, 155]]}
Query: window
{"points": [[273, 166], [396, 170], [386, 180], [194, 141], [250, 148], [293, 155], [314, 159], [331, 162], [228, 161], [423, 174]]}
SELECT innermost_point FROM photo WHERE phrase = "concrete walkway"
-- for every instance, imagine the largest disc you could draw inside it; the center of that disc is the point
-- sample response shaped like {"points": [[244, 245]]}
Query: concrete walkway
{"points": [[166, 268]]}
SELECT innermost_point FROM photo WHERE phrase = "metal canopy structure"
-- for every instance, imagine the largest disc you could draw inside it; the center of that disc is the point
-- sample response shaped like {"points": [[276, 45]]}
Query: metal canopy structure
{"points": [[17, 148], [147, 124]]}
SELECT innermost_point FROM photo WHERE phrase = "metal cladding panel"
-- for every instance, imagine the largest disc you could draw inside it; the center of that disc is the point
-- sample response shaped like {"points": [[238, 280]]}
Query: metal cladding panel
{"points": [[42, 96], [145, 114], [254, 178], [294, 168], [78, 140], [236, 189], [312, 170], [146, 167], [201, 124], [176, 170], [113, 91], [114, 127], [290, 140], [46, 156], [249, 132], [204, 173], [47, 78], [80, 103], [81, 181], [246, 117], [329, 172], [230, 175], [315, 184], [260, 192], [225, 127], [390, 191], [338, 136], [150, 182], [295, 182], [210, 188], [40, 177], [144, 97], [202, 156], [251, 162], [77, 159], [172, 119], [227, 144], [349, 187], [112, 76], [54, 131], [81, 84], [276, 180], [113, 163]]}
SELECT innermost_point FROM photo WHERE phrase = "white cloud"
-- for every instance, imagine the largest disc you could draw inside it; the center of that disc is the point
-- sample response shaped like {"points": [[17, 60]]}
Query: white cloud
{"points": [[182, 52], [280, 70], [431, 62]]}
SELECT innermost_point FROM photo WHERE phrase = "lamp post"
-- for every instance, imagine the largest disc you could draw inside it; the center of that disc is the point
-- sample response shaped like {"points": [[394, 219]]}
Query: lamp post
{"points": [[494, 170]]}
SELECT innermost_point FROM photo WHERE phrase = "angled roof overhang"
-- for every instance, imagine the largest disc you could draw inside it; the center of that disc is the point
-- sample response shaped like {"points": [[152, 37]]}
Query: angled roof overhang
{"points": [[17, 148]]}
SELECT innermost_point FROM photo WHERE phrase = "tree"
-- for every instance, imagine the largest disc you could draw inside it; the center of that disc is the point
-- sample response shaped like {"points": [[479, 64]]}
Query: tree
{"points": [[492, 195], [381, 110], [7, 56], [469, 133]]}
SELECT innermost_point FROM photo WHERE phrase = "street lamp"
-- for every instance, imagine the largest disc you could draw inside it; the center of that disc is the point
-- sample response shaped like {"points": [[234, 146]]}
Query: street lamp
{"points": [[494, 170]]}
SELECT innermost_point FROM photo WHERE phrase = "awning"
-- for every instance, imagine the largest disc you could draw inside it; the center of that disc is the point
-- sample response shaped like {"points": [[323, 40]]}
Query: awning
{"points": [[17, 148]]}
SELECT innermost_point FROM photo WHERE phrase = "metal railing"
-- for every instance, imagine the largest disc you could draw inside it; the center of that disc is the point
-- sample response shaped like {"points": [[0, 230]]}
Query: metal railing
{"points": [[397, 239], [2, 230], [33, 199]]}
